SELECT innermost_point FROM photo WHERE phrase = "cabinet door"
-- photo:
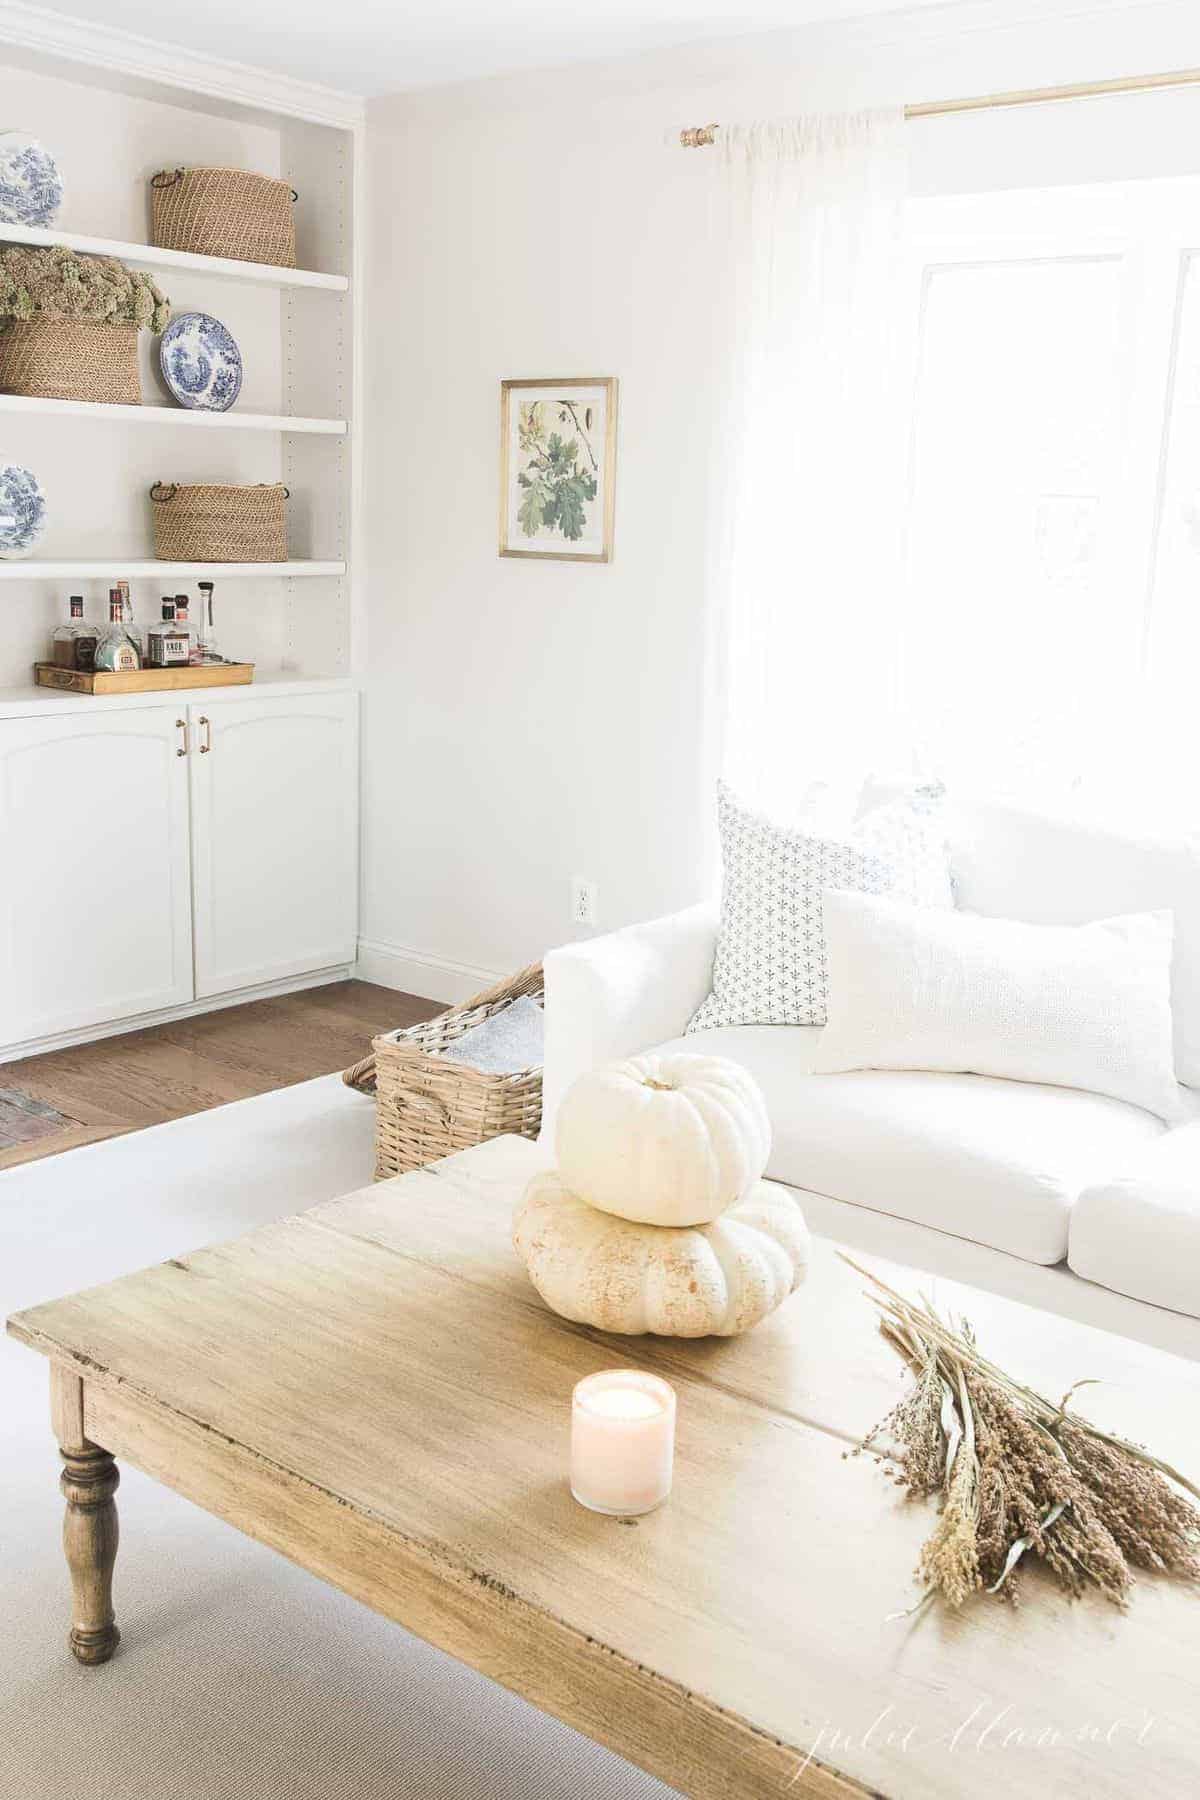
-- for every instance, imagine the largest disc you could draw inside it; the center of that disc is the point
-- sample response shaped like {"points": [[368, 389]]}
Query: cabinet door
{"points": [[274, 838], [95, 903]]}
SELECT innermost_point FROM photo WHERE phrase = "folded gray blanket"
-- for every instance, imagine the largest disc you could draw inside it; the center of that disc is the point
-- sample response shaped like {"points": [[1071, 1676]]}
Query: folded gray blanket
{"points": [[507, 1043]]}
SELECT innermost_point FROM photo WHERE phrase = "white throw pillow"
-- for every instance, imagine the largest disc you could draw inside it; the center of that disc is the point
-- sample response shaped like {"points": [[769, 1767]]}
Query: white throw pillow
{"points": [[1084, 1006], [1014, 864], [769, 967]]}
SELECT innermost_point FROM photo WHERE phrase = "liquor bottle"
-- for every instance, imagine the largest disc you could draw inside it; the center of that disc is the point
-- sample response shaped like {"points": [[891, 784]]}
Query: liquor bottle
{"points": [[116, 649], [165, 649], [183, 627], [87, 637], [208, 642], [127, 616], [74, 645]]}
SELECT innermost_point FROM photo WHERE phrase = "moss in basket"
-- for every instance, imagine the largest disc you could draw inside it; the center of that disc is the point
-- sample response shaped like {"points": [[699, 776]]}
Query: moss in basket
{"points": [[54, 283]]}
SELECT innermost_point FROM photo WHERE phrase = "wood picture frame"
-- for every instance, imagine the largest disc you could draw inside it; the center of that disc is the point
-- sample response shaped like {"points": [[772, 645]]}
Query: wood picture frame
{"points": [[558, 466]]}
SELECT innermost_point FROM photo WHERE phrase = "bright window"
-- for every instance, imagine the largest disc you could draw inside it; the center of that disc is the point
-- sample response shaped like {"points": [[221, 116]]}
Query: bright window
{"points": [[1054, 526]]}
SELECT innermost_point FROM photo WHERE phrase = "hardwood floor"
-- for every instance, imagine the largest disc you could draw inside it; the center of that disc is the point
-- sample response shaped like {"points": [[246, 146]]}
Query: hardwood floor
{"points": [[143, 1077]]}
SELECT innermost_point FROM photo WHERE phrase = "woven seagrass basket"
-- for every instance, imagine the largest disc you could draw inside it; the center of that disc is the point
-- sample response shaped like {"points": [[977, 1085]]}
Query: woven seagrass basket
{"points": [[224, 212], [214, 522], [426, 1107], [70, 359]]}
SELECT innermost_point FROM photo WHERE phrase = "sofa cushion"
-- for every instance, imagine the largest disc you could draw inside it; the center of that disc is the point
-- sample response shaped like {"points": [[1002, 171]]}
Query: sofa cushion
{"points": [[1139, 1231], [998, 1162], [1012, 864]]}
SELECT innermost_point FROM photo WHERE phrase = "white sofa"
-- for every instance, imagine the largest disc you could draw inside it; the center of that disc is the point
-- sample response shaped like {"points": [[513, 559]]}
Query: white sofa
{"points": [[1069, 1200]]}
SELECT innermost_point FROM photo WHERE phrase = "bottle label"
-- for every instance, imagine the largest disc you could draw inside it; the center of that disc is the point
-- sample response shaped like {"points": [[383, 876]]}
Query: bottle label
{"points": [[124, 657], [166, 649], [85, 653]]}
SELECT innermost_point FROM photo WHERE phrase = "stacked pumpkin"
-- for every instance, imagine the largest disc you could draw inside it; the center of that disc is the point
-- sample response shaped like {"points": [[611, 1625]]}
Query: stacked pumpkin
{"points": [[657, 1218]]}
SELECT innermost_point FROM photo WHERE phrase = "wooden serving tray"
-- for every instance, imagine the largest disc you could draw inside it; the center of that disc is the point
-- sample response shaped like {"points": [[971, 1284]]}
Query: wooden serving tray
{"points": [[142, 681]]}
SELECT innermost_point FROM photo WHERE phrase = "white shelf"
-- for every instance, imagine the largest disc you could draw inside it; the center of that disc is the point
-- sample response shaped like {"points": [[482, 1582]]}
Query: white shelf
{"points": [[145, 256], [114, 568], [169, 415], [23, 701]]}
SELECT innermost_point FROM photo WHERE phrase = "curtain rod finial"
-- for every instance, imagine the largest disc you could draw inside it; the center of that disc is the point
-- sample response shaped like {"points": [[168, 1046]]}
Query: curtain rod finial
{"points": [[696, 136]]}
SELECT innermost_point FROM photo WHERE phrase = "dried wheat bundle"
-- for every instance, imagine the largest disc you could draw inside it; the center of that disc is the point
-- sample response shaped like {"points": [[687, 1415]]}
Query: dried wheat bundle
{"points": [[1017, 1473]]}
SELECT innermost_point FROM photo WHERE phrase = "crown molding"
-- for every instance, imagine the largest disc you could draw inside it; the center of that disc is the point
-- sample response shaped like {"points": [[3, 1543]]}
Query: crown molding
{"points": [[140, 60]]}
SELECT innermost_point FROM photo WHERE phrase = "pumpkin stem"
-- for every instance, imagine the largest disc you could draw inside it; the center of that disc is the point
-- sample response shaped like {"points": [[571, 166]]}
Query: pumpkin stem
{"points": [[660, 1087]]}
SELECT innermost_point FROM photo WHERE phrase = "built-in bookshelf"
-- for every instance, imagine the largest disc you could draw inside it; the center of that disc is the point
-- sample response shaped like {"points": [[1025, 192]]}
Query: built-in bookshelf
{"points": [[296, 421]]}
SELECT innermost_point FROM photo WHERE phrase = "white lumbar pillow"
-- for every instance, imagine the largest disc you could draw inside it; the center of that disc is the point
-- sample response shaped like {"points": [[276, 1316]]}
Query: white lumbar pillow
{"points": [[1084, 1006]]}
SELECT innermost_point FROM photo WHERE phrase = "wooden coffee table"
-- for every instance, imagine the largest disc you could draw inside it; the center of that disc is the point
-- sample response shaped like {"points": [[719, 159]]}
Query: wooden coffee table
{"points": [[373, 1389]]}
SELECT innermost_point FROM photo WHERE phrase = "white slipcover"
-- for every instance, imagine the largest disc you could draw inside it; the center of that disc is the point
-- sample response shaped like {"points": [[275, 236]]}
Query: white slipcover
{"points": [[998, 1162]]}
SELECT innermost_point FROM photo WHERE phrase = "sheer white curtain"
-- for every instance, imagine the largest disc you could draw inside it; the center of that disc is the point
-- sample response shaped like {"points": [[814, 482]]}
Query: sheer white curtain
{"points": [[811, 482]]}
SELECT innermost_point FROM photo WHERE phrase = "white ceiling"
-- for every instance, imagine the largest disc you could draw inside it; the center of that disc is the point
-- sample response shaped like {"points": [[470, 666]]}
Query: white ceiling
{"points": [[384, 46]]}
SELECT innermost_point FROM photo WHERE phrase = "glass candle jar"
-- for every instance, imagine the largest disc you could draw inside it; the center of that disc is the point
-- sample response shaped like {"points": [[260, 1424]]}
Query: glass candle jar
{"points": [[622, 1441]]}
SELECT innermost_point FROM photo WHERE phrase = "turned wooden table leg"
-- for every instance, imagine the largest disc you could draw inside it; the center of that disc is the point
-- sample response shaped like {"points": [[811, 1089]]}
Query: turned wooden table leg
{"points": [[89, 1481]]}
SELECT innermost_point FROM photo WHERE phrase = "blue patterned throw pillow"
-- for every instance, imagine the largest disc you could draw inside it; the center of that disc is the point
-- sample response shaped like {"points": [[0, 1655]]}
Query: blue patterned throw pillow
{"points": [[770, 966]]}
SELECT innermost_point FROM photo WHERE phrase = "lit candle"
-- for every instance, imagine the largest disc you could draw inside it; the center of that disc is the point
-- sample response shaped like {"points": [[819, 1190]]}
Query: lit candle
{"points": [[622, 1441]]}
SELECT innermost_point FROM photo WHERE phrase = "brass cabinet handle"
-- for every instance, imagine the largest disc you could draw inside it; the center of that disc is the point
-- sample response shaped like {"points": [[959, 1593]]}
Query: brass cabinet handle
{"points": [[206, 740], [181, 727]]}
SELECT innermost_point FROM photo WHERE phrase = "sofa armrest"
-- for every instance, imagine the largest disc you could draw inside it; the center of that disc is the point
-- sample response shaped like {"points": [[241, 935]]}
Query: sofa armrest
{"points": [[612, 996]]}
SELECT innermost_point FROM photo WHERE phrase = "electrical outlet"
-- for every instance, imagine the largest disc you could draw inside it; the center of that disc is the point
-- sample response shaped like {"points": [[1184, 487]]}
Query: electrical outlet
{"points": [[585, 904]]}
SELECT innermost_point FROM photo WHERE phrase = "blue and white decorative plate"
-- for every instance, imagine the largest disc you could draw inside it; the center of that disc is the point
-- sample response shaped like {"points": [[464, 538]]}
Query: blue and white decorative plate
{"points": [[200, 362], [31, 188], [22, 510]]}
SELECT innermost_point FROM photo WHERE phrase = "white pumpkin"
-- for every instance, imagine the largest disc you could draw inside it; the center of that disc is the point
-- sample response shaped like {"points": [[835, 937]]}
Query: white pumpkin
{"points": [[708, 1280], [667, 1140]]}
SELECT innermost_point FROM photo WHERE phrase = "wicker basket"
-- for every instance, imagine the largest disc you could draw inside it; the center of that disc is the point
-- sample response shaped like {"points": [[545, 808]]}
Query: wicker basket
{"points": [[212, 522], [427, 1107], [224, 212], [70, 359]]}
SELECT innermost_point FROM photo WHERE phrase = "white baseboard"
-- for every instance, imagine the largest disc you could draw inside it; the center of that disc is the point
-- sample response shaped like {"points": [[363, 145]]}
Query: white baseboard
{"points": [[88, 1034], [417, 972]]}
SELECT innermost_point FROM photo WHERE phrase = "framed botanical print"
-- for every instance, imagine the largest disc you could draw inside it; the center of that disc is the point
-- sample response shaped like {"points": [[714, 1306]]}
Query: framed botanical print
{"points": [[558, 462]]}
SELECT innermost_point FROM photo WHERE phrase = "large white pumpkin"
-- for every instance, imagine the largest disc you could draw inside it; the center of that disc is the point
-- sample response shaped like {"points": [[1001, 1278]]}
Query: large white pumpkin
{"points": [[667, 1140], [709, 1280]]}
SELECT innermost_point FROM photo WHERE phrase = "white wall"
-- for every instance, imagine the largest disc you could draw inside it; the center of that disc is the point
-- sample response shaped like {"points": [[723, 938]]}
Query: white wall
{"points": [[527, 721]]}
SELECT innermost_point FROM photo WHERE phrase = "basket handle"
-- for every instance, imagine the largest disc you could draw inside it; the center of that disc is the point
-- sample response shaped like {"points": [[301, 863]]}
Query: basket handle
{"points": [[522, 982], [424, 1103], [361, 1075], [162, 491]]}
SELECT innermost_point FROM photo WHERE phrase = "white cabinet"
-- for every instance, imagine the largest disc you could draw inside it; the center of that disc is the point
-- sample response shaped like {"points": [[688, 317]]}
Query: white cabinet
{"points": [[163, 854], [95, 908], [274, 838]]}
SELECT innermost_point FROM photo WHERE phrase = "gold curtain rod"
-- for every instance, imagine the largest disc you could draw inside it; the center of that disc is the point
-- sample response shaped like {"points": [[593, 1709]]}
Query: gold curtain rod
{"points": [[696, 136]]}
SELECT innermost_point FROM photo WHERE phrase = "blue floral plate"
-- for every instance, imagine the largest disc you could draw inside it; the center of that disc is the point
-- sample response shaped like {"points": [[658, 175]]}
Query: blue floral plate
{"points": [[22, 510], [200, 362], [31, 188]]}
